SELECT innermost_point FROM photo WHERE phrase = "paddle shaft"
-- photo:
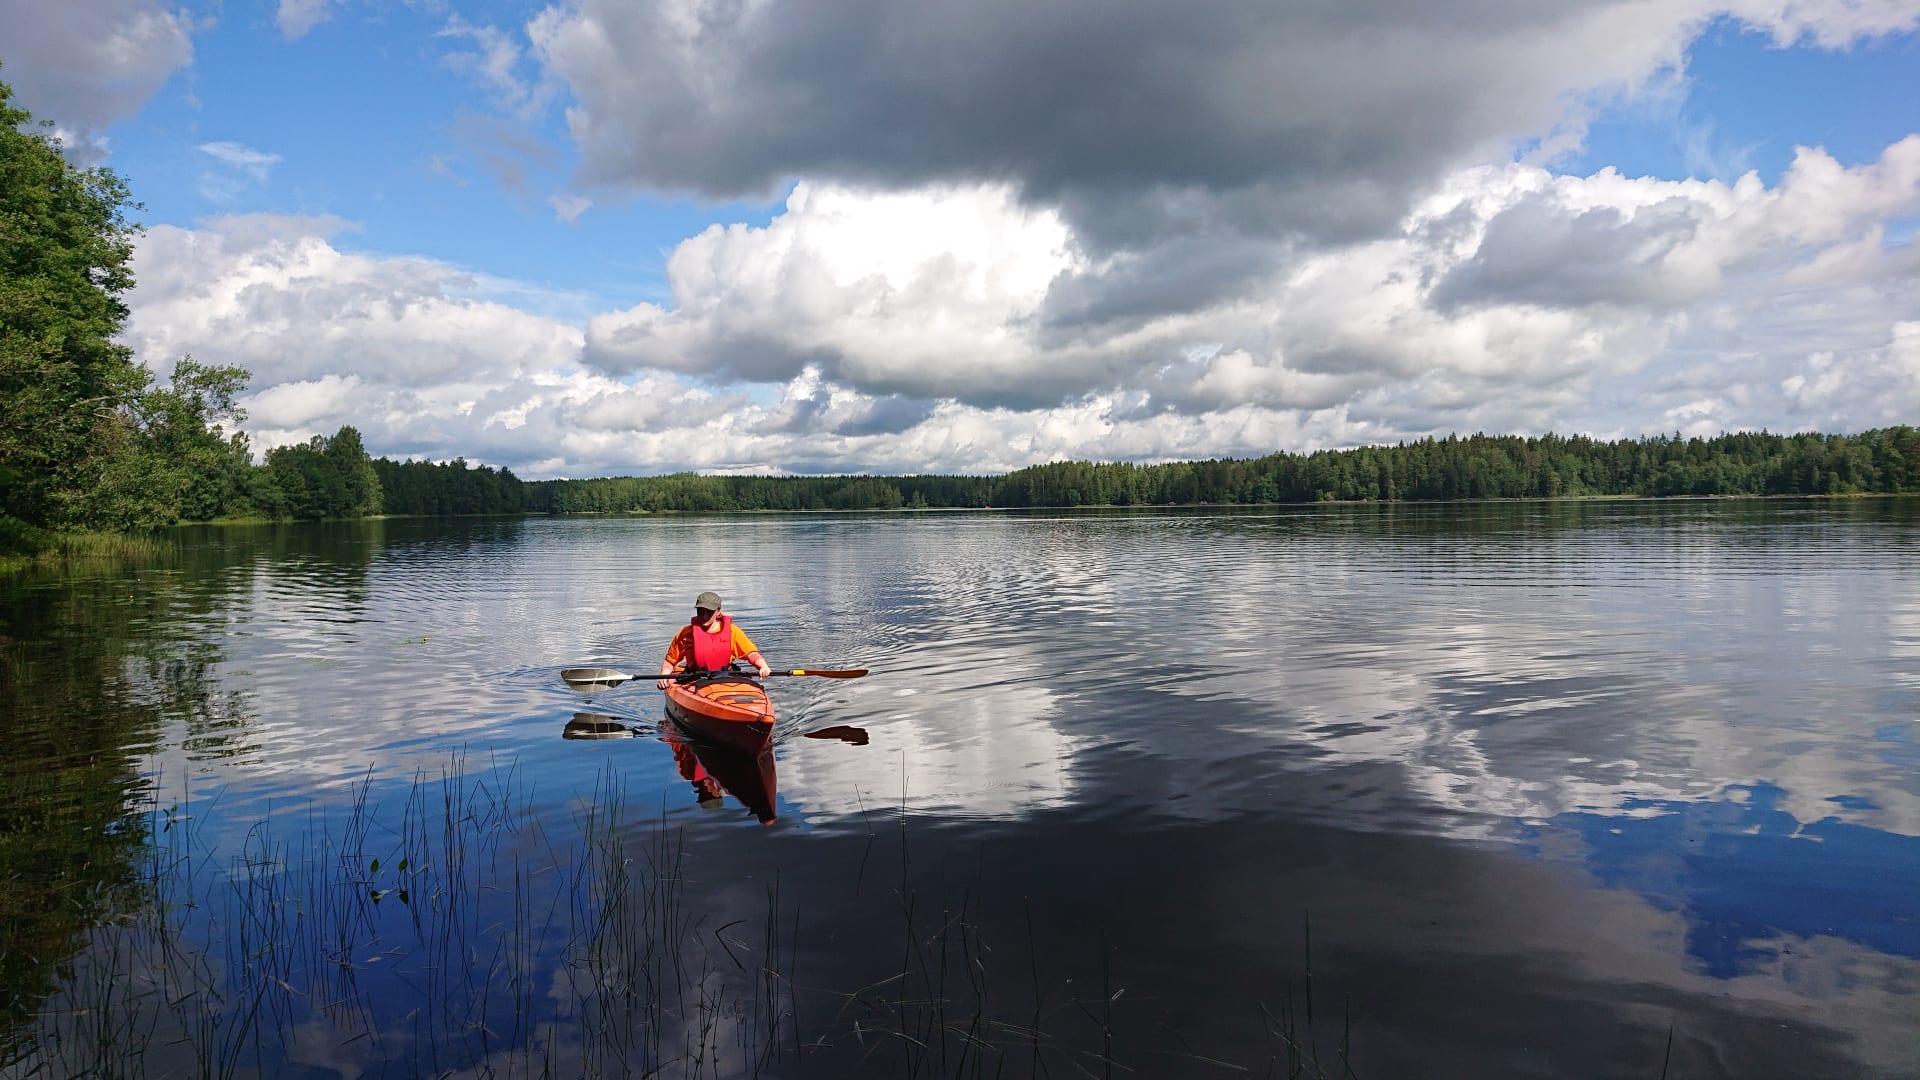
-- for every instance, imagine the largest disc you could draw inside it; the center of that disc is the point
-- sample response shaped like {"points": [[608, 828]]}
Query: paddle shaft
{"points": [[608, 677], [733, 673]]}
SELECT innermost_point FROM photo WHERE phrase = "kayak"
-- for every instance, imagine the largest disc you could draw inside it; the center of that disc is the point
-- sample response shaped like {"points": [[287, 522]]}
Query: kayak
{"points": [[727, 710]]}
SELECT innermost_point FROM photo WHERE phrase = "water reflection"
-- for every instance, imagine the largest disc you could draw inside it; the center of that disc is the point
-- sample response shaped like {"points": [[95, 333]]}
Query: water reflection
{"points": [[1551, 779], [94, 682], [712, 769], [1751, 879], [715, 770], [586, 725]]}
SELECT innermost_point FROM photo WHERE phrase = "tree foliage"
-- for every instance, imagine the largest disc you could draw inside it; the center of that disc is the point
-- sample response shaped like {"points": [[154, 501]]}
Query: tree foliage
{"points": [[65, 243], [320, 478], [86, 440], [1472, 467], [439, 488]]}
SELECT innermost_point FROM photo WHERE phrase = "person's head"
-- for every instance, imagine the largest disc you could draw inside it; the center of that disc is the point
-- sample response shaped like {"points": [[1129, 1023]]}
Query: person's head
{"points": [[708, 793], [706, 606]]}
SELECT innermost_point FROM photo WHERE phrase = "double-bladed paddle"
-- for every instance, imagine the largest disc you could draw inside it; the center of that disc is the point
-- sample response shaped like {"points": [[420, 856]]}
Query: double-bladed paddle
{"points": [[597, 678]]}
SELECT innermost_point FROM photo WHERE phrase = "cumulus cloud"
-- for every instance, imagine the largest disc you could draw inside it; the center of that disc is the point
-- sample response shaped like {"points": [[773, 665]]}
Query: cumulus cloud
{"points": [[1878, 386], [87, 64], [1502, 299], [1228, 209], [408, 348], [917, 293], [910, 331]]}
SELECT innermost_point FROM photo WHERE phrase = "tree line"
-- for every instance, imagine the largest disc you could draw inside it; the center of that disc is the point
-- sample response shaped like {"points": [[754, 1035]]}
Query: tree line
{"points": [[1884, 461]]}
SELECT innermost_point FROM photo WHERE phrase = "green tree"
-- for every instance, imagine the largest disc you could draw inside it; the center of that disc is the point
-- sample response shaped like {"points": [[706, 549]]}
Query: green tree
{"points": [[321, 478], [65, 244], [191, 465], [359, 484]]}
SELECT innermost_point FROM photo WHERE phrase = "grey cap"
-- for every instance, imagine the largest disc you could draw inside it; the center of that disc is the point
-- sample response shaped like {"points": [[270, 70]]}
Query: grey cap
{"points": [[708, 601]]}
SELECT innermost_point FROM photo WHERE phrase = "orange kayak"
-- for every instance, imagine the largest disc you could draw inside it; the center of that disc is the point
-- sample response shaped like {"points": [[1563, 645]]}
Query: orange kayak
{"points": [[727, 710]]}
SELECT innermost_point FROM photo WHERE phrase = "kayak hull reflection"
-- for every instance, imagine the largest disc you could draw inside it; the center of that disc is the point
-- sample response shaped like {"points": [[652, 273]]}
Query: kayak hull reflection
{"points": [[725, 711], [746, 776]]}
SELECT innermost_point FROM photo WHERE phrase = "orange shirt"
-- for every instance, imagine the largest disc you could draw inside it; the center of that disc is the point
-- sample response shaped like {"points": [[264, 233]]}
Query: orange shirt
{"points": [[681, 651]]}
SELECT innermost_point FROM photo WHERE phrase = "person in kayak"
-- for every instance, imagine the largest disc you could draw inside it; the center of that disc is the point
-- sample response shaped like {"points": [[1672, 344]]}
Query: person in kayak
{"points": [[710, 642]]}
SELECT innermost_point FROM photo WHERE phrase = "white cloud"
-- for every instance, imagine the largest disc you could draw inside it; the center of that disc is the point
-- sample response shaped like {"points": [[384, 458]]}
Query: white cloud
{"points": [[296, 18], [238, 167], [916, 292], [1879, 386], [294, 406], [910, 331], [418, 343], [495, 64], [568, 208], [1832, 24], [255, 163], [1505, 298]]}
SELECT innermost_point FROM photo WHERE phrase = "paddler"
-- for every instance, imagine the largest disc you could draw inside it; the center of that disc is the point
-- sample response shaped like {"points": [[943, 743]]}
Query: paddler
{"points": [[709, 643]]}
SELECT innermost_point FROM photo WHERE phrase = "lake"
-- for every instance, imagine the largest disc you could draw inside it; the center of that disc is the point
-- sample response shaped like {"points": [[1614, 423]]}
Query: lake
{"points": [[1532, 789]]}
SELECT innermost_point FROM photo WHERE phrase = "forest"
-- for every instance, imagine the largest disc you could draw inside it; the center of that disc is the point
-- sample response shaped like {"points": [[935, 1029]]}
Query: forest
{"points": [[1885, 461], [89, 443]]}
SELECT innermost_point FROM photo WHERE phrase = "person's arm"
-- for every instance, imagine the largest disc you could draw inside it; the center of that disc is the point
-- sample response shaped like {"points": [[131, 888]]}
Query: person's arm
{"points": [[744, 647], [676, 654]]}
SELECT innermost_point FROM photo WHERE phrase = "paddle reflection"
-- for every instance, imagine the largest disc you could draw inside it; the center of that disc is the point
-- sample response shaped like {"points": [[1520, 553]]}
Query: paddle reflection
{"points": [[715, 770], [586, 725], [843, 732]]}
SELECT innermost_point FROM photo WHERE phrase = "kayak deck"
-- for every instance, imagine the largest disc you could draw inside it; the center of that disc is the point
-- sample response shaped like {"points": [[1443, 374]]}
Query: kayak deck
{"points": [[726, 709]]}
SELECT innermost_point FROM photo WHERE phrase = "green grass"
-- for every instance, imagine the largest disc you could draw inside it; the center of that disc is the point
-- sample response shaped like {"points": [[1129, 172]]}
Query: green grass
{"points": [[65, 551]]}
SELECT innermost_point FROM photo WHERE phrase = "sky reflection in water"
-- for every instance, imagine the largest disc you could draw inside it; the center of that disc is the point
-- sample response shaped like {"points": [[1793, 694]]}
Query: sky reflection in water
{"points": [[1547, 776]]}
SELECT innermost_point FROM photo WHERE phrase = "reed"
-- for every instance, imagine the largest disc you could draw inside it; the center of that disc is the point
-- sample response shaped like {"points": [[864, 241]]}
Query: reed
{"points": [[455, 930], [64, 553]]}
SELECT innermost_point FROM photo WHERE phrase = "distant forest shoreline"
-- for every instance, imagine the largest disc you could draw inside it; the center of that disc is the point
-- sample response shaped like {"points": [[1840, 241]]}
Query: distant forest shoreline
{"points": [[334, 478]]}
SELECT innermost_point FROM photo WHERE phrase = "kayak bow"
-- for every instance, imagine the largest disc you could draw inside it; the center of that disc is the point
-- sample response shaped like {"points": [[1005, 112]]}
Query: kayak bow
{"points": [[729, 710]]}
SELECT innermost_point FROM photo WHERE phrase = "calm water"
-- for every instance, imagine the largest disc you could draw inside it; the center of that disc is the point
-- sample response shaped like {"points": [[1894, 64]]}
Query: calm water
{"points": [[1562, 789]]}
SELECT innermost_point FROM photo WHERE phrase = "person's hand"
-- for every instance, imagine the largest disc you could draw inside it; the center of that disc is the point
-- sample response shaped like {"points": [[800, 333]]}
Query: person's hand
{"points": [[765, 671], [664, 681]]}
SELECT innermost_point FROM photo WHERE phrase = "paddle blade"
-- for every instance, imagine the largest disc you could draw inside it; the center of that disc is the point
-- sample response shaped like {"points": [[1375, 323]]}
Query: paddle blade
{"points": [[593, 678]]}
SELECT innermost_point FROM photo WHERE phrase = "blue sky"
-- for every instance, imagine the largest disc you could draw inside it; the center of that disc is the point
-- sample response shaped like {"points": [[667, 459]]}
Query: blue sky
{"points": [[599, 237], [1748, 102]]}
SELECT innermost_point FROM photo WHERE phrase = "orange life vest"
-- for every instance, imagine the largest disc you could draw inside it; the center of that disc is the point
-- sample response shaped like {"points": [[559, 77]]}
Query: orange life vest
{"points": [[712, 651]]}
